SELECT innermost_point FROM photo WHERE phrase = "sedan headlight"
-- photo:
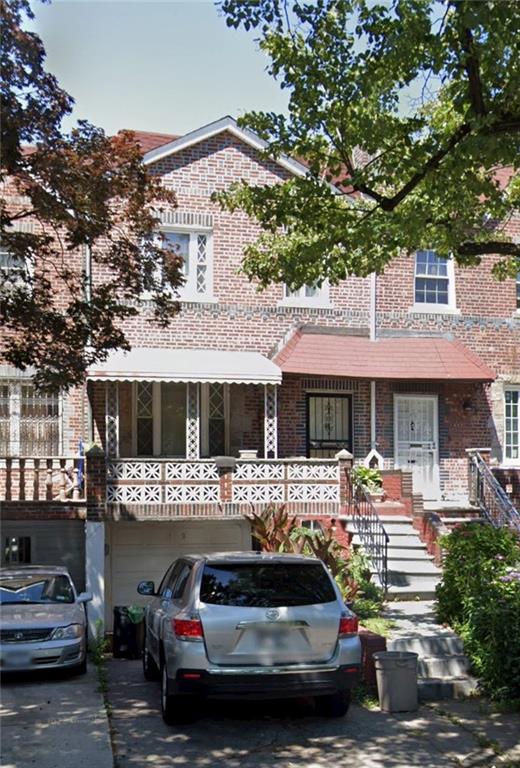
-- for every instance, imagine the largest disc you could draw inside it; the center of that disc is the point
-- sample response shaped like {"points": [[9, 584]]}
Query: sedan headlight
{"points": [[67, 633]]}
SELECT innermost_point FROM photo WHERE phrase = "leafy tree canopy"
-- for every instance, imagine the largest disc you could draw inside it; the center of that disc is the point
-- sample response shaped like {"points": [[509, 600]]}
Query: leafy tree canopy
{"points": [[80, 193], [408, 172]]}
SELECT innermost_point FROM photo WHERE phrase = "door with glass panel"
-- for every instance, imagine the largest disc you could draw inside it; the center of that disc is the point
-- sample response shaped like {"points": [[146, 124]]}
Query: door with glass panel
{"points": [[160, 419], [329, 425], [416, 441]]}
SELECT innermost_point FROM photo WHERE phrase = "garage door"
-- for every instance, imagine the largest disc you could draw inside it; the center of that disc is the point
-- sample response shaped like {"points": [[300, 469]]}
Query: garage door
{"points": [[140, 551]]}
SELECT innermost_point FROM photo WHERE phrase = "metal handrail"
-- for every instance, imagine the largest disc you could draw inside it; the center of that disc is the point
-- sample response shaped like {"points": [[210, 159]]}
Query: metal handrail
{"points": [[487, 493], [369, 527]]}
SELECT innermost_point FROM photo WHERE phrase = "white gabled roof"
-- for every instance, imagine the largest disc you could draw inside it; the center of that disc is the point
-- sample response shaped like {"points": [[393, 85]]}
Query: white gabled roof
{"points": [[228, 124], [187, 365]]}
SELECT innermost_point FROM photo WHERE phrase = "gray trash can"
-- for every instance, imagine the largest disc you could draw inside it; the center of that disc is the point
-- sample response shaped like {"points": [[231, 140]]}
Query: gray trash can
{"points": [[396, 674]]}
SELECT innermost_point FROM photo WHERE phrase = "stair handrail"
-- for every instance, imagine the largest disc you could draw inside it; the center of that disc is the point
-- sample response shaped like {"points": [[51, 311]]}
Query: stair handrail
{"points": [[487, 493], [369, 527]]}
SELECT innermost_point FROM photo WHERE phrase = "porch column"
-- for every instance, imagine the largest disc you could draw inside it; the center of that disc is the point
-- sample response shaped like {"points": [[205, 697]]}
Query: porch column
{"points": [[112, 418], [270, 421], [193, 421], [95, 575]]}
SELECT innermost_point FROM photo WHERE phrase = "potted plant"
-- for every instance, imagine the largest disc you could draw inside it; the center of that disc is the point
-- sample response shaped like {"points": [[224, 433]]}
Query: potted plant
{"points": [[370, 480]]}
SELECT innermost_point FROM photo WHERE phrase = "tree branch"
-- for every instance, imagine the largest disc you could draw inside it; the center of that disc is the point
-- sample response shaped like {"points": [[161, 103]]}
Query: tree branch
{"points": [[472, 67], [498, 247]]}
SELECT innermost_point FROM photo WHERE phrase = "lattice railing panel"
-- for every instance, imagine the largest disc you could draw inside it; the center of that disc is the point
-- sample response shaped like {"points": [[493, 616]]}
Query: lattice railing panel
{"points": [[249, 470], [313, 472], [258, 493], [134, 494], [134, 470], [192, 493], [180, 470], [312, 492]]}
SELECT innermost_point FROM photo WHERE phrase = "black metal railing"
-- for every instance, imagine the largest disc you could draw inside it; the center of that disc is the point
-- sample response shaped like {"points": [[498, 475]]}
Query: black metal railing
{"points": [[486, 493], [369, 527]]}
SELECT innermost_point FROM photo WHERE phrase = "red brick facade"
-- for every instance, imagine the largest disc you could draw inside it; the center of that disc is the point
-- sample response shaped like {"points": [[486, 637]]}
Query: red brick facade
{"points": [[238, 317]]}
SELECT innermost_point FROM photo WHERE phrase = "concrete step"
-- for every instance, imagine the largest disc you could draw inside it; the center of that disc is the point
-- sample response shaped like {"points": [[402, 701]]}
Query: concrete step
{"points": [[423, 591], [410, 541], [439, 688], [410, 553], [429, 645], [456, 665], [421, 566]]}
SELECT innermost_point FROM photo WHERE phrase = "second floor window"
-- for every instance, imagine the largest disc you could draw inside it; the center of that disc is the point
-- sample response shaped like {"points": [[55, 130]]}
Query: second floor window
{"points": [[195, 248], [433, 280], [307, 295]]}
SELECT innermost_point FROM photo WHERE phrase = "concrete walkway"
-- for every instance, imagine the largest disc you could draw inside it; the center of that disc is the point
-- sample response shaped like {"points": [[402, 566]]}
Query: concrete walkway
{"points": [[443, 667], [51, 721], [288, 734]]}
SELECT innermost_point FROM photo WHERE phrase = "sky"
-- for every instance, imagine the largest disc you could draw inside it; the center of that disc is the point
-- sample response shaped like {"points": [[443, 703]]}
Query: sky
{"points": [[163, 66]]}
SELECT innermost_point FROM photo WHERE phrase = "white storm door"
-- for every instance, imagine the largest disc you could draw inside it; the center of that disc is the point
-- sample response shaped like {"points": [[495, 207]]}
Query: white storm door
{"points": [[416, 441]]}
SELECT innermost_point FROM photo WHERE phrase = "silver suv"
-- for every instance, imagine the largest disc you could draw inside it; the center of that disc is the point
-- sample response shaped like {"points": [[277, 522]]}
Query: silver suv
{"points": [[249, 625]]}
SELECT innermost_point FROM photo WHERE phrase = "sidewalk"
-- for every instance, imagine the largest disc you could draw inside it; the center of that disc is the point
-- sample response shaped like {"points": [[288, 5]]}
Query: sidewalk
{"points": [[54, 722]]}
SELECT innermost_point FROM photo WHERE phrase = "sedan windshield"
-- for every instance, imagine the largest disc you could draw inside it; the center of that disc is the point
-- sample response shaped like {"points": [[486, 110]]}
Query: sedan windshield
{"points": [[36, 588]]}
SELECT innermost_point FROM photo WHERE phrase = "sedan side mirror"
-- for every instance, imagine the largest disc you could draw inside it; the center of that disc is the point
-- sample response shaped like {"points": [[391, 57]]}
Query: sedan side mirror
{"points": [[84, 597], [146, 588]]}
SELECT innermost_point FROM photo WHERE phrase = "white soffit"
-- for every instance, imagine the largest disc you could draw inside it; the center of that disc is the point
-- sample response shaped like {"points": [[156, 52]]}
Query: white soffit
{"points": [[219, 126], [187, 365]]}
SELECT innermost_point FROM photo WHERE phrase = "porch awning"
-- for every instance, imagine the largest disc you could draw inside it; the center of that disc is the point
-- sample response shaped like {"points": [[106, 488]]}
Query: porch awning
{"points": [[316, 352], [187, 365]]}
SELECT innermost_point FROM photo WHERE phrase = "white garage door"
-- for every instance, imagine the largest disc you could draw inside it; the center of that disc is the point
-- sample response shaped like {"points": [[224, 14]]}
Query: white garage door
{"points": [[139, 551]]}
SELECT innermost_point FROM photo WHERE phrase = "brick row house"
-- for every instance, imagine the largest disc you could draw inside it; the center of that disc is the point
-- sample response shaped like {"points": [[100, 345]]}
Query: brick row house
{"points": [[248, 397]]}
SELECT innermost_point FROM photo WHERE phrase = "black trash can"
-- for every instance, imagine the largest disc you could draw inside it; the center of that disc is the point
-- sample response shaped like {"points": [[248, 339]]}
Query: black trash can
{"points": [[128, 636]]}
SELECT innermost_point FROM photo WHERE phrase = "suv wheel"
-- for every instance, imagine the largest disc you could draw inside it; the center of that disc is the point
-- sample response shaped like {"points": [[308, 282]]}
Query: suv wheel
{"points": [[334, 705], [175, 709], [150, 669]]}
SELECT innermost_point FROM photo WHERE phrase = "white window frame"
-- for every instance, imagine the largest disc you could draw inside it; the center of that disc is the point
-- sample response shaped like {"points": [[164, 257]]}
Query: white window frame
{"points": [[508, 461], [432, 308], [188, 291], [157, 422], [298, 298]]}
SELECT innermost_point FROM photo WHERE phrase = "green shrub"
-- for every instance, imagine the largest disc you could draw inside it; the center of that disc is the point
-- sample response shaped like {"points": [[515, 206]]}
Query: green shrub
{"points": [[474, 554], [479, 596]]}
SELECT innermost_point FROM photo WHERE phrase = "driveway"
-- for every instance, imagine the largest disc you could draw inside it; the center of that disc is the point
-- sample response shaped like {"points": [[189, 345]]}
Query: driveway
{"points": [[51, 720], [288, 734]]}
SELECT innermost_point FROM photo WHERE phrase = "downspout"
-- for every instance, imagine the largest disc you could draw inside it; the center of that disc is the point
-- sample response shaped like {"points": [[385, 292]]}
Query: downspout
{"points": [[373, 332], [86, 404]]}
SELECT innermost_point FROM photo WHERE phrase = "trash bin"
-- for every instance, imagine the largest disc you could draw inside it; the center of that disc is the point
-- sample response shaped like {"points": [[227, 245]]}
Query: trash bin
{"points": [[396, 674], [128, 631]]}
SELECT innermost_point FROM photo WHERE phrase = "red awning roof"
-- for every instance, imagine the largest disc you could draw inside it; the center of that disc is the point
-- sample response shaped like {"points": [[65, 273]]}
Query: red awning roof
{"points": [[417, 358]]}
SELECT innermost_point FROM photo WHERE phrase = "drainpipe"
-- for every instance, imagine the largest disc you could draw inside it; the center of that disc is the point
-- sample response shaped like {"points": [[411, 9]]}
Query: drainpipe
{"points": [[86, 405], [373, 428]]}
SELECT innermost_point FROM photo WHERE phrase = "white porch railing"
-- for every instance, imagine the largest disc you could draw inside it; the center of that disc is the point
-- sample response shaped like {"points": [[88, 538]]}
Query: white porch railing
{"points": [[43, 478], [165, 481]]}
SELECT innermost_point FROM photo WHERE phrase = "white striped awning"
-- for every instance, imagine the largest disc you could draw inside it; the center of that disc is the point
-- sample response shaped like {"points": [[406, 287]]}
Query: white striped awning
{"points": [[187, 365]]}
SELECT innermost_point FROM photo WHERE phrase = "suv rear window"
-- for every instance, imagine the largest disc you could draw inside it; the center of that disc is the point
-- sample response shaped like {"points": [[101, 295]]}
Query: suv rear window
{"points": [[266, 585]]}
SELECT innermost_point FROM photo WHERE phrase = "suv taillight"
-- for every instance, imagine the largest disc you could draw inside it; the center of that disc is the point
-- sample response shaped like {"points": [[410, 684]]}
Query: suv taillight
{"points": [[187, 629], [348, 625]]}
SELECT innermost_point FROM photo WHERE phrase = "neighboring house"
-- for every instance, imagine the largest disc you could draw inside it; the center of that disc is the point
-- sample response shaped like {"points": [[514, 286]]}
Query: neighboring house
{"points": [[406, 370]]}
